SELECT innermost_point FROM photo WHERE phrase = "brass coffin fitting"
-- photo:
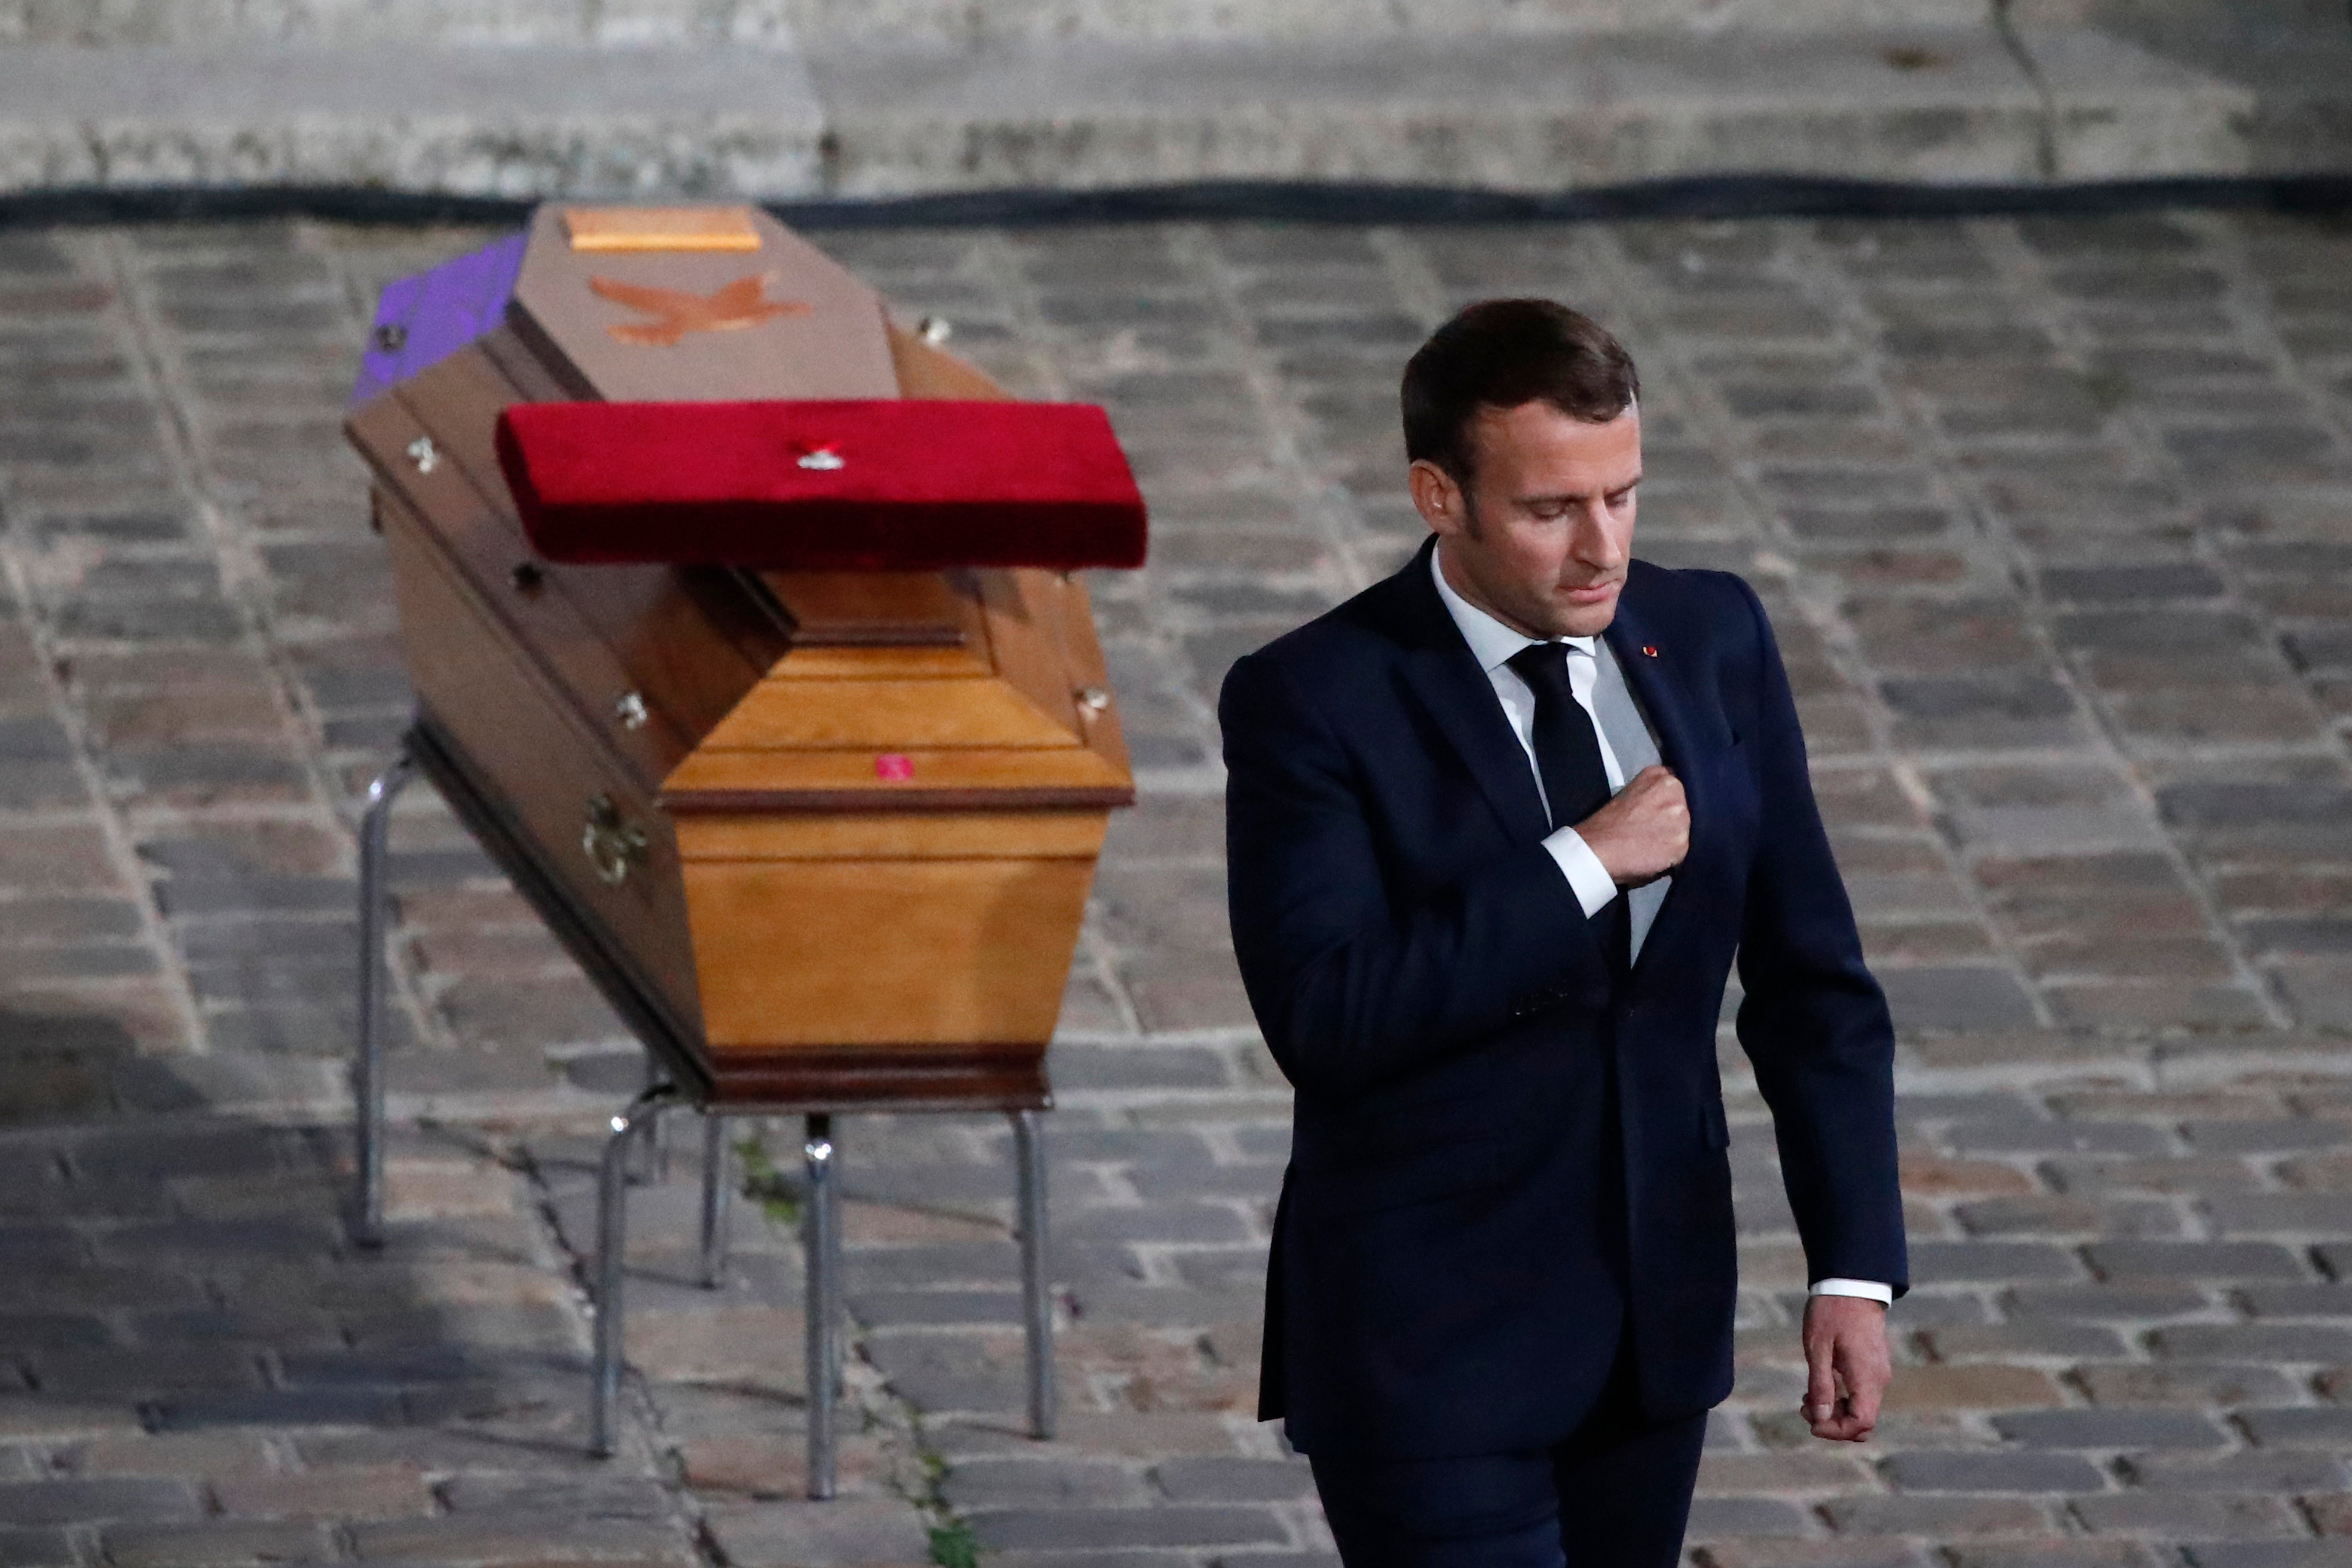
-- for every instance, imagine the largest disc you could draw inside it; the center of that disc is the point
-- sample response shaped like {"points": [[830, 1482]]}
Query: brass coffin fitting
{"points": [[612, 845]]}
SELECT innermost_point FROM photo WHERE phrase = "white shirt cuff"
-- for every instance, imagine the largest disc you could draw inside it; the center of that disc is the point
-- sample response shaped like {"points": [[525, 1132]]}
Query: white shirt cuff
{"points": [[1870, 1289], [1588, 878]]}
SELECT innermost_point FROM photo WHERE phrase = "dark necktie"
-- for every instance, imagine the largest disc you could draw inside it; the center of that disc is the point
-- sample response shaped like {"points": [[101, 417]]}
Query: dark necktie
{"points": [[1568, 748], [1575, 780]]}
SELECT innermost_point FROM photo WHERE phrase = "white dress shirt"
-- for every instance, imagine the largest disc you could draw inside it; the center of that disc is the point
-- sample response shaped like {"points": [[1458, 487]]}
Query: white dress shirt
{"points": [[1493, 646]]}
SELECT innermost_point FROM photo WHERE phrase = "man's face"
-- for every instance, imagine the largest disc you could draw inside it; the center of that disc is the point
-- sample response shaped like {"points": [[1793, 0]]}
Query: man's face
{"points": [[1542, 538]]}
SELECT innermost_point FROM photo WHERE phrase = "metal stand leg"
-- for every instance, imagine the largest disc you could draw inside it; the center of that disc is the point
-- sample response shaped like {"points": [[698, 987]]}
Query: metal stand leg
{"points": [[367, 1086], [612, 1249], [1036, 1300], [821, 1241], [718, 1192], [653, 1154]]}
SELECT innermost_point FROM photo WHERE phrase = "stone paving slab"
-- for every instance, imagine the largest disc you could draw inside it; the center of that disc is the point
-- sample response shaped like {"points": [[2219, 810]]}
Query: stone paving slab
{"points": [[550, 98], [411, 115], [641, 22], [2054, 518]]}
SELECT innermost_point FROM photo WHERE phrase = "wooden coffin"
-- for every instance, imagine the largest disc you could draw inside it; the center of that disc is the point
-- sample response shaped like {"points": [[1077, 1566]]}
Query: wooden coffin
{"points": [[824, 840]]}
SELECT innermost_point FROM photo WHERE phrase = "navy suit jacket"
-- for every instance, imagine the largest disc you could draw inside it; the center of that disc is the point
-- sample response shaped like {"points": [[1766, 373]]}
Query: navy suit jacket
{"points": [[1468, 1223]]}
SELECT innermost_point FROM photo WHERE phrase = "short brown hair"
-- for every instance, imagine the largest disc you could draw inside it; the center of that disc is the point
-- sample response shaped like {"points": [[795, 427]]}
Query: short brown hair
{"points": [[1500, 354]]}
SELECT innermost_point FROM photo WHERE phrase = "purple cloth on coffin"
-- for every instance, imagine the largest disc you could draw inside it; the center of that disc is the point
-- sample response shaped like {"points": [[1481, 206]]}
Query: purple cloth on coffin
{"points": [[425, 318]]}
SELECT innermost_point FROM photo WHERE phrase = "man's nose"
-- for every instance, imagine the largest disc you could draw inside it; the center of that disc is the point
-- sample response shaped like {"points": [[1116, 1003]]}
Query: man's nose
{"points": [[1596, 543]]}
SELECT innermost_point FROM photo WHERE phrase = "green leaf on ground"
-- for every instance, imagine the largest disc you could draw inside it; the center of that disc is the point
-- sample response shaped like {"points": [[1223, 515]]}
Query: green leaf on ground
{"points": [[953, 1545]]}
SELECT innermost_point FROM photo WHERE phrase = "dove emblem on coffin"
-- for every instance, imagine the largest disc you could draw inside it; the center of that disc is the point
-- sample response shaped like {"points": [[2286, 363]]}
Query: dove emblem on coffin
{"points": [[675, 312]]}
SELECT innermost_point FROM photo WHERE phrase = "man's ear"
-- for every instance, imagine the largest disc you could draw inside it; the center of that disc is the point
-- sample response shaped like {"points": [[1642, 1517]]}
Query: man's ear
{"points": [[1438, 498]]}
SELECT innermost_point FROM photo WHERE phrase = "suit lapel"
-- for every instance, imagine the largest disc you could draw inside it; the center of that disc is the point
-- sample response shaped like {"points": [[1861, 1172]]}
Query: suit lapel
{"points": [[1462, 701], [1445, 677], [1657, 685]]}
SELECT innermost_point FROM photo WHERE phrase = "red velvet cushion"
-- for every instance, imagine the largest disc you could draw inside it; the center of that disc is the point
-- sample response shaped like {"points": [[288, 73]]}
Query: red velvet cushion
{"points": [[918, 484]]}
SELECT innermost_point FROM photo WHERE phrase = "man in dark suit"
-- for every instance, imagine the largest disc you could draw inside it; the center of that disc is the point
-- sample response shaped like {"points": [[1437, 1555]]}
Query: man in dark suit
{"points": [[1497, 828]]}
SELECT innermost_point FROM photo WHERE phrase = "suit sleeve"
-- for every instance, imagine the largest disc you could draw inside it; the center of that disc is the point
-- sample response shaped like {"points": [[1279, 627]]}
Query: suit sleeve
{"points": [[1812, 1021], [1350, 986]]}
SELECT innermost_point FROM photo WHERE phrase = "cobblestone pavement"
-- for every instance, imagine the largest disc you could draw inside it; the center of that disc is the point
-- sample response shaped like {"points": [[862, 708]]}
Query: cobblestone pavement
{"points": [[2055, 522]]}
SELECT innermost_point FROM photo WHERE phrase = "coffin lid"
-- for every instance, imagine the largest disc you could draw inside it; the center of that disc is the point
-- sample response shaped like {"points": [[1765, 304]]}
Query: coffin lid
{"points": [[881, 691], [653, 325]]}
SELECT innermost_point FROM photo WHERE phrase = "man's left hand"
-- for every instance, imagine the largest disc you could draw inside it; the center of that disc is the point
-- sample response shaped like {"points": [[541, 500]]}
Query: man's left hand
{"points": [[1847, 1366]]}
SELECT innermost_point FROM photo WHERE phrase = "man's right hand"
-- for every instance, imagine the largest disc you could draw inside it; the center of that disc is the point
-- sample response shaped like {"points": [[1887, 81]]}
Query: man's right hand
{"points": [[1644, 830]]}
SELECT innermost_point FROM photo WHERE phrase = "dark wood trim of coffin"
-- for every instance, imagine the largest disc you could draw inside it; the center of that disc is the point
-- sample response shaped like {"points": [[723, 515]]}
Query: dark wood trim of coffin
{"points": [[883, 609], [732, 801], [648, 1017], [892, 1078]]}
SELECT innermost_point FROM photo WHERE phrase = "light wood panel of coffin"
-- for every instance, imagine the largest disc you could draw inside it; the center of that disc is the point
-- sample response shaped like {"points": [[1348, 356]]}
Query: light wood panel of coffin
{"points": [[870, 804]]}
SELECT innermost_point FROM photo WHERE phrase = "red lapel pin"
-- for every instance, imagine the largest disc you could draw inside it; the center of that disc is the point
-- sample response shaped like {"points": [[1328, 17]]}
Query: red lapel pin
{"points": [[1649, 651]]}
